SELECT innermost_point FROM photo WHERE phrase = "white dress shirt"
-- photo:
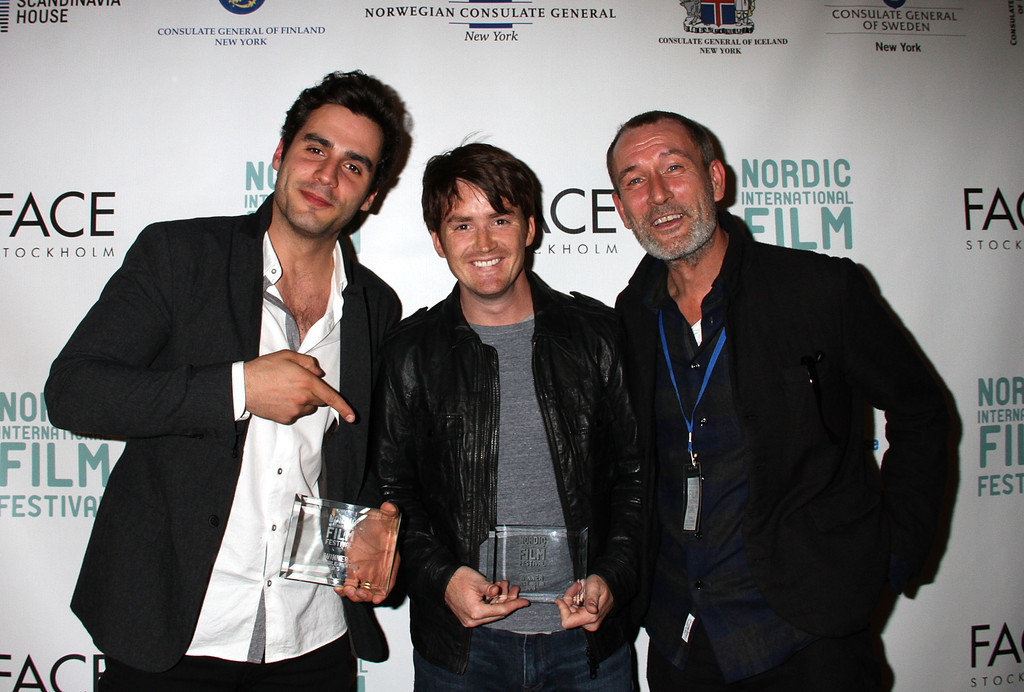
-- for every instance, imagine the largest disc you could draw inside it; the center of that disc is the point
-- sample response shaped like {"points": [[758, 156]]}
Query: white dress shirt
{"points": [[278, 462]]}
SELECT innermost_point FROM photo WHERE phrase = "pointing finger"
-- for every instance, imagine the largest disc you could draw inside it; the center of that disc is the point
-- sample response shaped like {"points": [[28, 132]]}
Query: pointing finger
{"points": [[331, 398]]}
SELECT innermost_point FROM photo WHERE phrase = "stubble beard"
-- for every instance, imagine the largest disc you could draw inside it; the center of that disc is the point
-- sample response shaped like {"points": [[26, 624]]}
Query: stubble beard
{"points": [[305, 224], [691, 248]]}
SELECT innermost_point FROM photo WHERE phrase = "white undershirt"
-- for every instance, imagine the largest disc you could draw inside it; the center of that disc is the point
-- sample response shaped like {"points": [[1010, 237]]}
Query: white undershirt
{"points": [[278, 461]]}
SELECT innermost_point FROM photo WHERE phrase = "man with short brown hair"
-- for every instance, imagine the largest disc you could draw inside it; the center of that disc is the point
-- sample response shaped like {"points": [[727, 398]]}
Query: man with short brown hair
{"points": [[505, 405]]}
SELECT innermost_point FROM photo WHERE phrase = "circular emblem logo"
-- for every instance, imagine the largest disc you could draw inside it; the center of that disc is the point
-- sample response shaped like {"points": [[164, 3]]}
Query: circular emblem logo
{"points": [[895, 4], [242, 6]]}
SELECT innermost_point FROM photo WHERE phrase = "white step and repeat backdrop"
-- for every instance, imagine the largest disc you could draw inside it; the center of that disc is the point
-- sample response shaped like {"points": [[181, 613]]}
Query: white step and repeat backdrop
{"points": [[889, 131]]}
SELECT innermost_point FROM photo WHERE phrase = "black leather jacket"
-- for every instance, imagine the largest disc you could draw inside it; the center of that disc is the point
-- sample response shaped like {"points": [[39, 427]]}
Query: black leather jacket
{"points": [[436, 443]]}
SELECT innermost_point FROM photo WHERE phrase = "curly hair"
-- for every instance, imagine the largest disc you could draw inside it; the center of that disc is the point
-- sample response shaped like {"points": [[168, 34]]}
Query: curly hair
{"points": [[363, 95]]}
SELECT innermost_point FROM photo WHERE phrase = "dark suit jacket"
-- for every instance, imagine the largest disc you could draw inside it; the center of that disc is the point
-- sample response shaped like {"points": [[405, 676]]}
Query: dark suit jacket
{"points": [[821, 524], [151, 363]]}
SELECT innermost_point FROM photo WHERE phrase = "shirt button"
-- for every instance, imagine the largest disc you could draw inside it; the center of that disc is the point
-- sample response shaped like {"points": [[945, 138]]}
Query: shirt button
{"points": [[214, 520], [280, 471], [698, 585], [269, 582], [274, 527], [703, 422]]}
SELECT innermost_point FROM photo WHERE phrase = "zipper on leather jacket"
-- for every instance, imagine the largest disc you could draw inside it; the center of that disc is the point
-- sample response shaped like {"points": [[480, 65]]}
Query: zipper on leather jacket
{"points": [[491, 453], [545, 404]]}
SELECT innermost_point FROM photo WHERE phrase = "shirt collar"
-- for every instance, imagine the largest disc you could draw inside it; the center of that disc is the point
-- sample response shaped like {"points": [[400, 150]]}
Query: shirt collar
{"points": [[272, 273], [654, 295]]}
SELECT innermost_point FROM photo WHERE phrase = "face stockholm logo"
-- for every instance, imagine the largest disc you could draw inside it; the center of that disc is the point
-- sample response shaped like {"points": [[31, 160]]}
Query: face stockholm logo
{"points": [[575, 211], [992, 645], [987, 652], [1001, 216], [68, 214], [998, 208], [32, 674], [566, 214]]}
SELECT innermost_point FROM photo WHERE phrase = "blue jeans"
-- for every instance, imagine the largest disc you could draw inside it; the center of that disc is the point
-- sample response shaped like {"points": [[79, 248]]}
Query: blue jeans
{"points": [[506, 661]]}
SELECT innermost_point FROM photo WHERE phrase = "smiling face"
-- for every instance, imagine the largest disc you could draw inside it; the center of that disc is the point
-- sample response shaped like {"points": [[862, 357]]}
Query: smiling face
{"points": [[324, 177], [665, 193], [486, 251]]}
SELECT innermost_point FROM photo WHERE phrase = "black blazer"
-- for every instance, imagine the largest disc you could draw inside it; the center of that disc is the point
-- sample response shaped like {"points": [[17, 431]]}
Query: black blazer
{"points": [[151, 363], [821, 524]]}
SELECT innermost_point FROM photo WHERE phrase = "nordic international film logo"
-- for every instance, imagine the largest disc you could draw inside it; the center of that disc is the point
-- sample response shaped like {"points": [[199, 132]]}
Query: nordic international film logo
{"points": [[241, 6], [799, 203], [719, 16], [1000, 421], [46, 472]]}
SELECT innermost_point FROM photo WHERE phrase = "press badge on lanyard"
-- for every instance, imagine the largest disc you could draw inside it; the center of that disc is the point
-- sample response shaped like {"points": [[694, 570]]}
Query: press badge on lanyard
{"points": [[694, 478], [691, 515]]}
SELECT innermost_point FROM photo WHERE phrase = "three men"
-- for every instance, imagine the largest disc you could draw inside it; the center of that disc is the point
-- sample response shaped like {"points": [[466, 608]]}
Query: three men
{"points": [[218, 350], [220, 347], [751, 370], [505, 404]]}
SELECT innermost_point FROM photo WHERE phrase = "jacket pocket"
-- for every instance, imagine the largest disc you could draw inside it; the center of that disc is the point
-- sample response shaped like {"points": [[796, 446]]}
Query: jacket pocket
{"points": [[814, 394]]}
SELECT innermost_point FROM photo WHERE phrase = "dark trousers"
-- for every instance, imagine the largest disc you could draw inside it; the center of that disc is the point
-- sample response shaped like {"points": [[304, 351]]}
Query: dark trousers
{"points": [[845, 664], [501, 661], [330, 668]]}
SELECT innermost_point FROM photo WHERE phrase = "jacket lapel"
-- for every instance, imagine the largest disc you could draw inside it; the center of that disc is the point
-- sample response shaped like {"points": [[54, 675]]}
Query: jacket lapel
{"points": [[246, 284]]}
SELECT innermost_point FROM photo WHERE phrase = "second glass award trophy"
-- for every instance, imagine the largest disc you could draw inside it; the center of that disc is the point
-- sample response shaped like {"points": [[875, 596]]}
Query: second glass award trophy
{"points": [[339, 544], [543, 561]]}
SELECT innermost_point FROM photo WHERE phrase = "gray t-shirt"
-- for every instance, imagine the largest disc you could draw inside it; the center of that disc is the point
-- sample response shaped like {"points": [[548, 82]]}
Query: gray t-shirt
{"points": [[526, 488]]}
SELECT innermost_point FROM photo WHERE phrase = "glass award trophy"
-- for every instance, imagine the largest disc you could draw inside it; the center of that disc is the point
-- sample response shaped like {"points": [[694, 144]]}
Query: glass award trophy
{"points": [[543, 561], [339, 544]]}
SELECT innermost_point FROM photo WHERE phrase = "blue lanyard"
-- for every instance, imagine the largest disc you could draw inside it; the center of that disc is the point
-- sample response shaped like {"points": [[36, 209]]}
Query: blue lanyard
{"points": [[703, 386]]}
